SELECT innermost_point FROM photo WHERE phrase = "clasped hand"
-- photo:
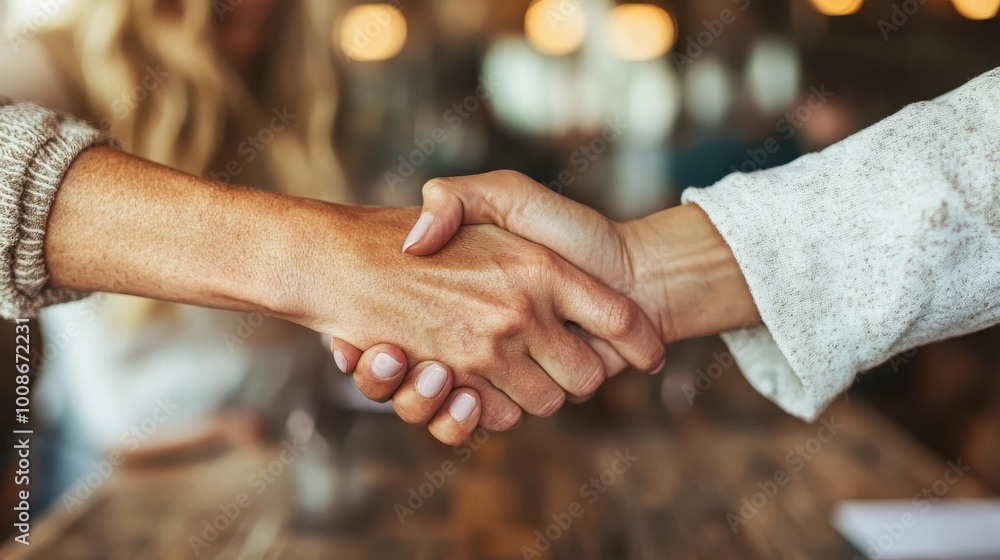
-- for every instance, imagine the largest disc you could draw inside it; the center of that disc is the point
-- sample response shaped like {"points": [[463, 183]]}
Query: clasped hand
{"points": [[522, 320]]}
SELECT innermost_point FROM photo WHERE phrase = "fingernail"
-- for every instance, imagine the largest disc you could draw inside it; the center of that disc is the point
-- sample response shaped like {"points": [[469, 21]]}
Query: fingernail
{"points": [[384, 366], [341, 360], [419, 229], [431, 381], [660, 368], [462, 407]]}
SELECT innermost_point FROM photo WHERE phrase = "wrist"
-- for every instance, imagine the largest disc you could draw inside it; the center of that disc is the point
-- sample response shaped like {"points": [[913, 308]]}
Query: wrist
{"points": [[685, 275], [293, 252], [255, 265]]}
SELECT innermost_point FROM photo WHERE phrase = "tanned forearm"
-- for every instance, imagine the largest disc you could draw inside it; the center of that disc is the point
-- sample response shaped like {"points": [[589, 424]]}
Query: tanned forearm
{"points": [[122, 224]]}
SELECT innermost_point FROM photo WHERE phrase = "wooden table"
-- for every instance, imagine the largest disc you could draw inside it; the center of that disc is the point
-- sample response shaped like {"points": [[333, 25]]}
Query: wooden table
{"points": [[693, 485]]}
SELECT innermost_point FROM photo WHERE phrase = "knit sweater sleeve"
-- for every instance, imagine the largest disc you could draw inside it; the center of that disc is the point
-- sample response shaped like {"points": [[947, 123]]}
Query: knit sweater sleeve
{"points": [[37, 146], [881, 243]]}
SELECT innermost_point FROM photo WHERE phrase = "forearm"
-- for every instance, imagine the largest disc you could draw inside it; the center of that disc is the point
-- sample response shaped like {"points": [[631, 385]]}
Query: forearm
{"points": [[122, 224], [686, 276]]}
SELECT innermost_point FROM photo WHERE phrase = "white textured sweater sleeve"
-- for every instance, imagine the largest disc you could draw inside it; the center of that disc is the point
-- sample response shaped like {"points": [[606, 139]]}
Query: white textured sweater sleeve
{"points": [[881, 243]]}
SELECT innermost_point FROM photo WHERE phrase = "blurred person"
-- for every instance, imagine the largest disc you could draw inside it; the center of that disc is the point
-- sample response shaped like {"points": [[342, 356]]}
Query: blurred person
{"points": [[241, 92], [813, 271]]}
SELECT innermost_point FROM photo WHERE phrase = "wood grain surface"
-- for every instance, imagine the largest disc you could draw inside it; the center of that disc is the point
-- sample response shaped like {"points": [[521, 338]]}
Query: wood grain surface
{"points": [[730, 477]]}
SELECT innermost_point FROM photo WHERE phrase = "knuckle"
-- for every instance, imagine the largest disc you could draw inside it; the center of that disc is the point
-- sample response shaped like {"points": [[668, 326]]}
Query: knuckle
{"points": [[535, 263], [510, 319], [544, 259], [518, 307], [509, 175], [551, 405], [509, 421], [477, 379], [621, 316], [438, 186], [590, 382]]}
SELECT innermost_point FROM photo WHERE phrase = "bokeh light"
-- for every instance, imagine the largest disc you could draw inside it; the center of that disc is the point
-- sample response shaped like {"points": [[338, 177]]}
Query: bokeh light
{"points": [[523, 108], [977, 9], [640, 31], [773, 74], [837, 7], [708, 91], [370, 32], [652, 101], [555, 28]]}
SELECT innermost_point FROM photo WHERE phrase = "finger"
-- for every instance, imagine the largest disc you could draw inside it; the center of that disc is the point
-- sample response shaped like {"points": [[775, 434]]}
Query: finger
{"points": [[422, 392], [514, 202], [568, 360], [606, 314], [572, 399], [380, 370], [457, 419], [530, 387], [345, 354], [500, 413], [613, 361]]}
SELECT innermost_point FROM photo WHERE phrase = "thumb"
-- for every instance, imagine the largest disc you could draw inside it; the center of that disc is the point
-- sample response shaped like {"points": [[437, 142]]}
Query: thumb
{"points": [[444, 211], [511, 201]]}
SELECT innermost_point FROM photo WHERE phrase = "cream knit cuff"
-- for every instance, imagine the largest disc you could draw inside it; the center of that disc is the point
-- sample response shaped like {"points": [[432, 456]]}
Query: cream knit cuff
{"points": [[37, 147]]}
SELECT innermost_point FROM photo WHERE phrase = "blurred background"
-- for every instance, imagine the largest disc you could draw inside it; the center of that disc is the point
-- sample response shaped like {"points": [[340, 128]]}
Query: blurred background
{"points": [[619, 105]]}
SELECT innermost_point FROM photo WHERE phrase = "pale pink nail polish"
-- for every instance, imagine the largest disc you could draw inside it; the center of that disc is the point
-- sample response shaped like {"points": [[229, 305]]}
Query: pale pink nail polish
{"points": [[341, 360], [385, 366], [462, 407], [419, 229], [431, 381], [660, 368]]}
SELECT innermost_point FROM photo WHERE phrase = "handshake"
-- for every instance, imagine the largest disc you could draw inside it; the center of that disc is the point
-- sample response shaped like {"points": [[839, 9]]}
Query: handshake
{"points": [[506, 297], [527, 299]]}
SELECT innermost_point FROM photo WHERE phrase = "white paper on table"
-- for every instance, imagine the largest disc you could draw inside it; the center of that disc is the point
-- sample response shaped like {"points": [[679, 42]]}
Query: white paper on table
{"points": [[918, 529]]}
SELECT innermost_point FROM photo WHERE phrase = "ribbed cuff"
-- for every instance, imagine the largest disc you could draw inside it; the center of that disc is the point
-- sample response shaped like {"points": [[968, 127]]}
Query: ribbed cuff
{"points": [[38, 147]]}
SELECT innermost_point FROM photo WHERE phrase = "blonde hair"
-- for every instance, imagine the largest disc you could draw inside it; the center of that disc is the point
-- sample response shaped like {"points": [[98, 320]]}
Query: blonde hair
{"points": [[182, 121], [203, 103]]}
